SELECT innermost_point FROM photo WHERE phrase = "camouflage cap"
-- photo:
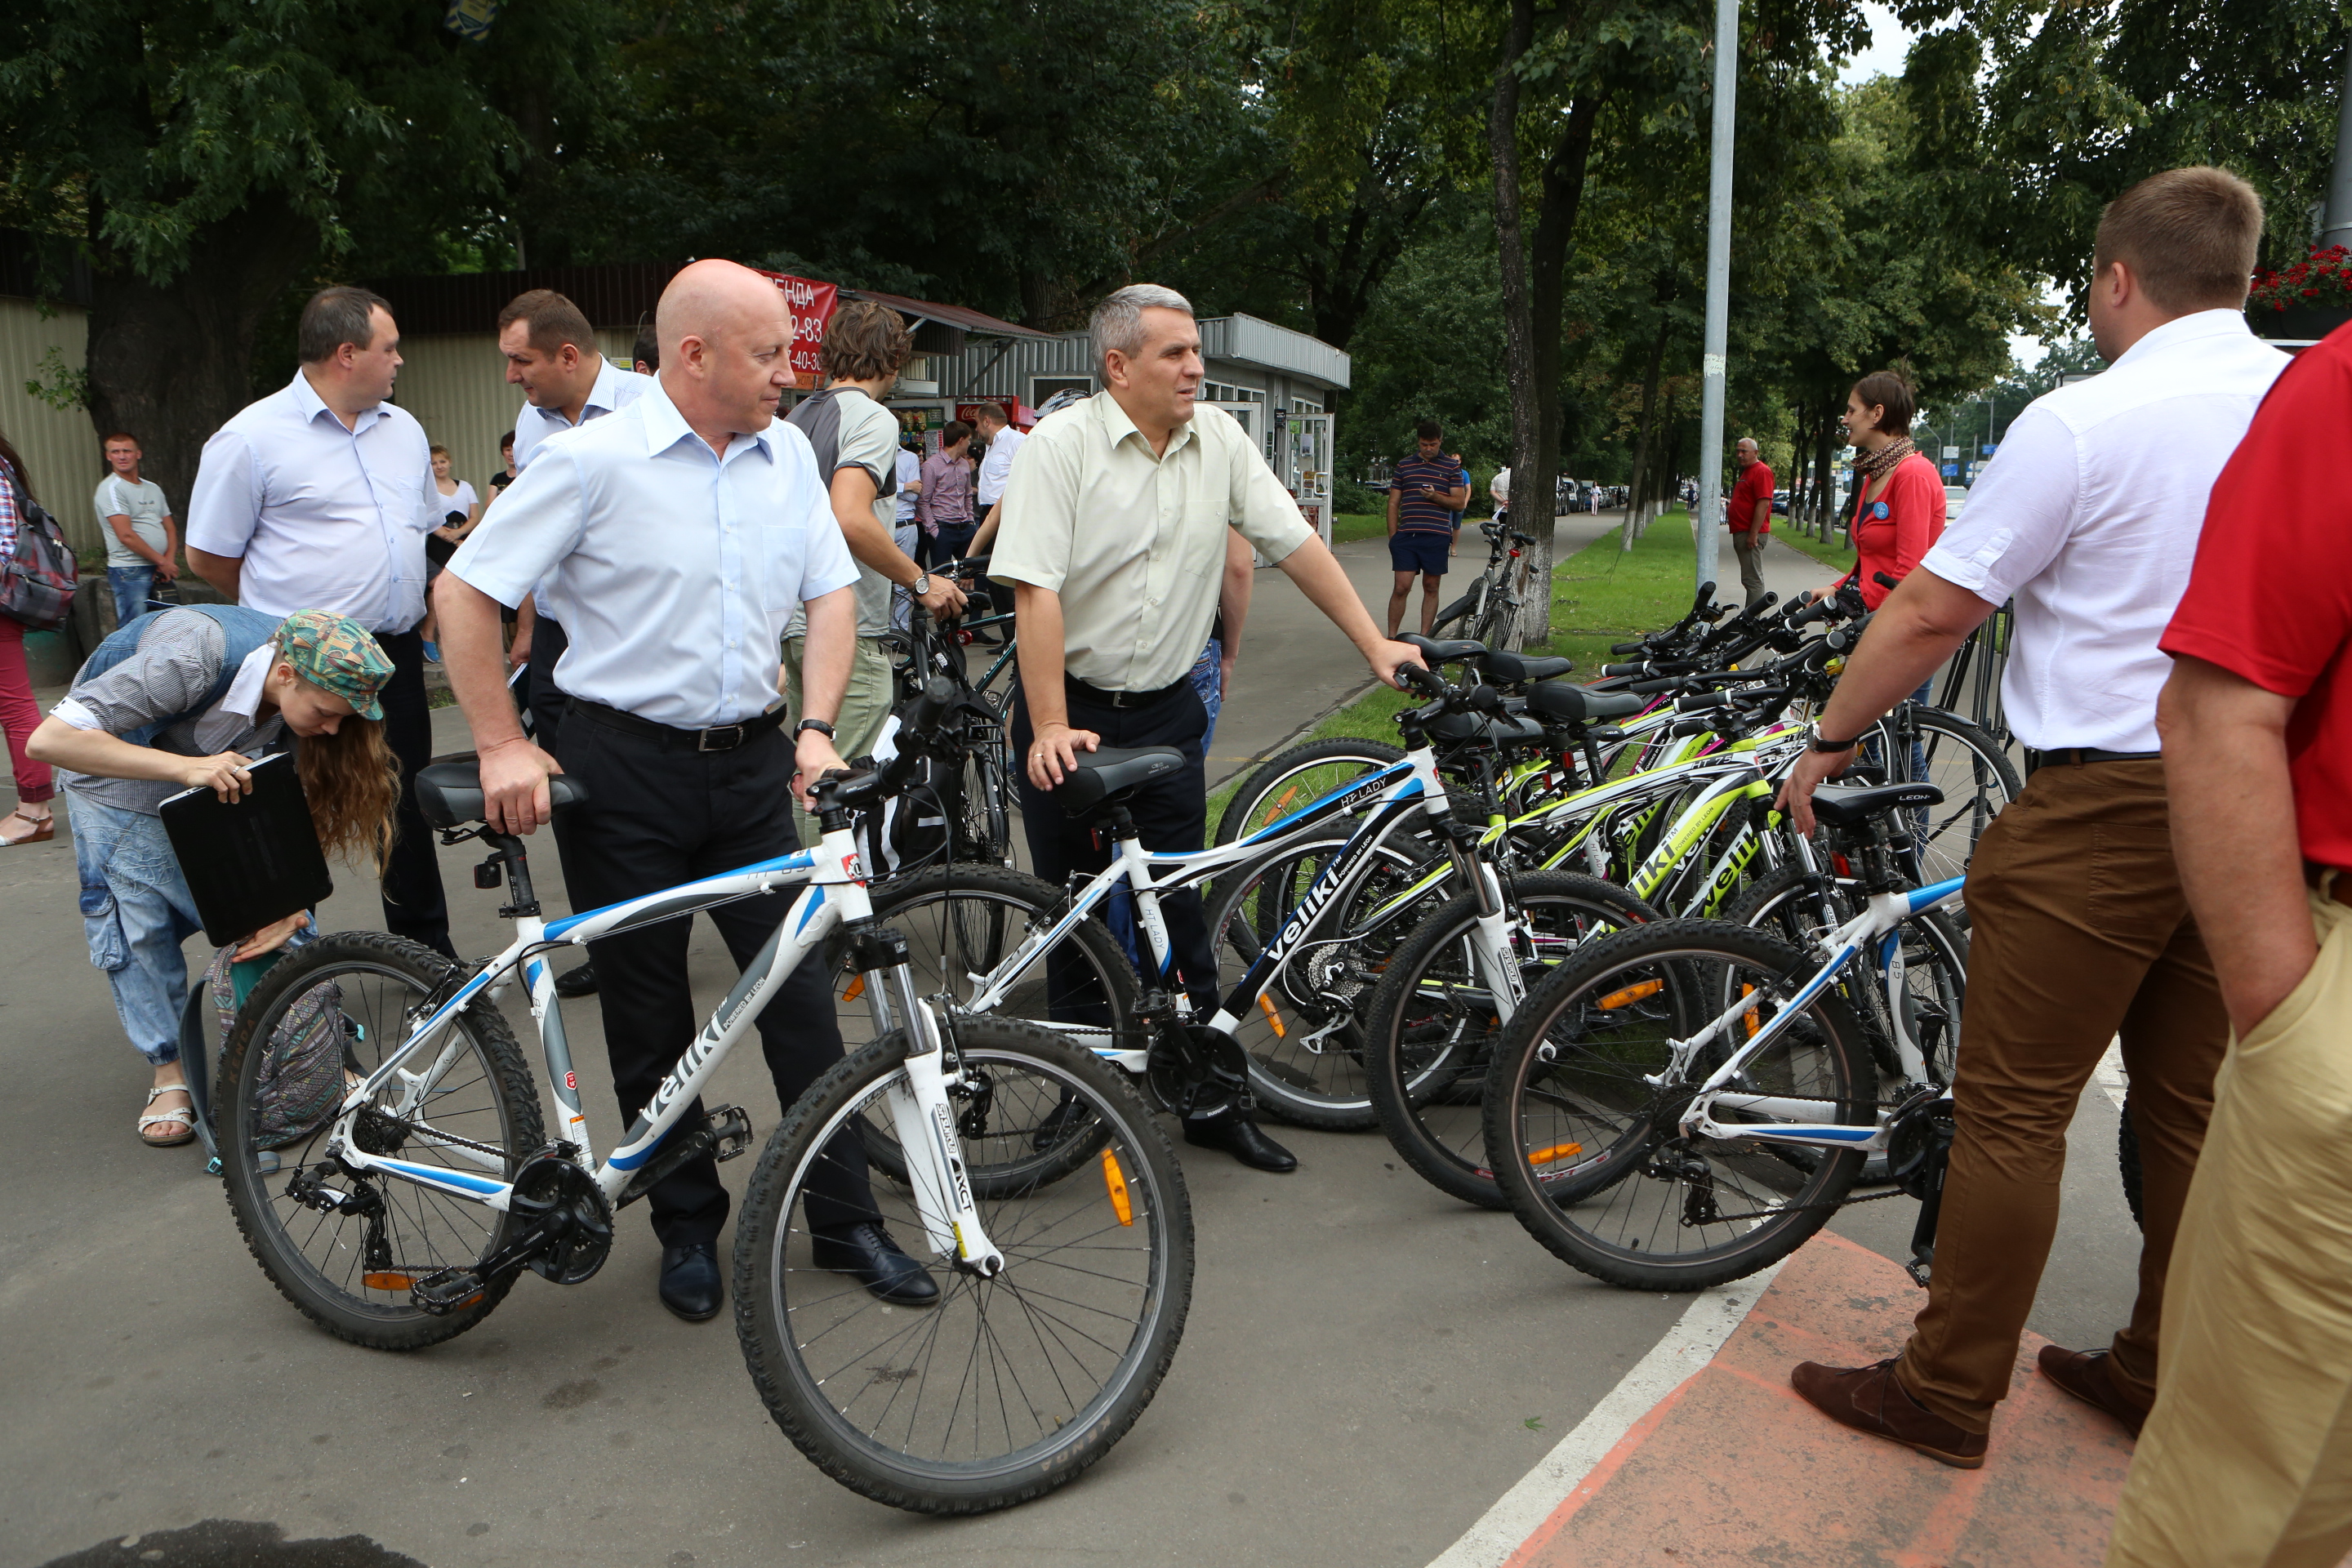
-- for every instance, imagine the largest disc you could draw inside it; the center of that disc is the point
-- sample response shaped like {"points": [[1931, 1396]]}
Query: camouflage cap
{"points": [[335, 653]]}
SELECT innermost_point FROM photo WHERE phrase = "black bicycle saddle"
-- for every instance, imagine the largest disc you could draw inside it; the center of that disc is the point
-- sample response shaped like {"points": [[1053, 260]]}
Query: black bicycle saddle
{"points": [[450, 793], [1101, 776]]}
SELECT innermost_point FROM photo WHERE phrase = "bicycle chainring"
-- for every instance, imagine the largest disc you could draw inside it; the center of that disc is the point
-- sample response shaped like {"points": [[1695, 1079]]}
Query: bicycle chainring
{"points": [[553, 1193]]}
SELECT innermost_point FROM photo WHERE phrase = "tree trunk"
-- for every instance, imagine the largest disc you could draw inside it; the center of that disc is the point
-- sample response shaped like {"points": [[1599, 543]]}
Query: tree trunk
{"points": [[1562, 196], [1637, 493], [1530, 482], [170, 361]]}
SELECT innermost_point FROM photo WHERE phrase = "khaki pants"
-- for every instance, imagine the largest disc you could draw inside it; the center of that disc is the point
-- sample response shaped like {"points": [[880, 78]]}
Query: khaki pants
{"points": [[2247, 1458], [863, 708], [1747, 548], [2079, 930]]}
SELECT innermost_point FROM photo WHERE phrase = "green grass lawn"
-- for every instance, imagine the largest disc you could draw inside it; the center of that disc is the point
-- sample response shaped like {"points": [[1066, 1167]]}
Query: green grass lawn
{"points": [[1838, 555], [1349, 526], [1599, 595]]}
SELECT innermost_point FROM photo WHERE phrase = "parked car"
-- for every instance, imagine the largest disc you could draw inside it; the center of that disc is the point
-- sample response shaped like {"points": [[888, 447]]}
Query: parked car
{"points": [[1955, 498]]}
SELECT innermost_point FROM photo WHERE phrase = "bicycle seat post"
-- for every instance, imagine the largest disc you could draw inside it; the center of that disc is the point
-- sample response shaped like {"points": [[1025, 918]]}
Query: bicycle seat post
{"points": [[510, 850]]}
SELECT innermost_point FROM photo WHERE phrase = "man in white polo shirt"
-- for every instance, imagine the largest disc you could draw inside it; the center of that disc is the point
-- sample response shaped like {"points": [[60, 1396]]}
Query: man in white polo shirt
{"points": [[996, 465], [2088, 520], [319, 498]]}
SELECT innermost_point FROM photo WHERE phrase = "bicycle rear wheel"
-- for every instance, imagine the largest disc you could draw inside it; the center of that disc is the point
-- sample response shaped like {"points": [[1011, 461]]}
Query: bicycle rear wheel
{"points": [[330, 1010], [1431, 1030], [1296, 779], [1005, 1388], [1969, 766], [1591, 1155]]}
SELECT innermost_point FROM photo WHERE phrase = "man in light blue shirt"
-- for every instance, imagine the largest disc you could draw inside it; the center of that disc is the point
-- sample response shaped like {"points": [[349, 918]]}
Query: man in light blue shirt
{"points": [[318, 497], [675, 538]]}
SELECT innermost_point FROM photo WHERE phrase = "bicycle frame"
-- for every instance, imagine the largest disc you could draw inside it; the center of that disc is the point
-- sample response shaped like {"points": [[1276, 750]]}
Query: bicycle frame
{"points": [[834, 895], [1873, 930], [1404, 789]]}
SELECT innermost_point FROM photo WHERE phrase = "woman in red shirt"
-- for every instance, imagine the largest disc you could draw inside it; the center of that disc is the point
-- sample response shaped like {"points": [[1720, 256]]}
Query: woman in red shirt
{"points": [[1898, 504]]}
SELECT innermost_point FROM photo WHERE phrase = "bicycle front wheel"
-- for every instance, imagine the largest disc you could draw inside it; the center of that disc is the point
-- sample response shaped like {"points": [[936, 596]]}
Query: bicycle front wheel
{"points": [[322, 1018], [1297, 778], [1005, 1388], [1591, 1154], [1968, 765]]}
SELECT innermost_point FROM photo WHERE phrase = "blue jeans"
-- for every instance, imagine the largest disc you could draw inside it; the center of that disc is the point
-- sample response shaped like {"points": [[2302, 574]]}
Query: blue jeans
{"points": [[1204, 680], [131, 585], [136, 911]]}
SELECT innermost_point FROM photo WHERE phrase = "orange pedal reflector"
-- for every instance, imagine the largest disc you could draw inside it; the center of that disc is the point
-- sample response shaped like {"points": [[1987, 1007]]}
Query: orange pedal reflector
{"points": [[1266, 1003], [388, 1282], [1283, 804], [1748, 1018], [1632, 994], [1115, 1183], [1557, 1151], [856, 988]]}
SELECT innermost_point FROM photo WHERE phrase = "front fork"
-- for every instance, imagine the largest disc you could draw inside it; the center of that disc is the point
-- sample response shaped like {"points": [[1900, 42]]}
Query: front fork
{"points": [[923, 1115]]}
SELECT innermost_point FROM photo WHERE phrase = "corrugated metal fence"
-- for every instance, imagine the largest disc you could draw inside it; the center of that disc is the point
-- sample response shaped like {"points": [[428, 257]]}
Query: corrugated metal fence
{"points": [[59, 449]]}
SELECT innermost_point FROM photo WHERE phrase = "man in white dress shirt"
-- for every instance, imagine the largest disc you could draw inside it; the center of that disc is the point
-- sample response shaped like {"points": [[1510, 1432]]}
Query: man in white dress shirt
{"points": [[676, 538], [995, 465], [550, 353], [319, 498], [2088, 520]]}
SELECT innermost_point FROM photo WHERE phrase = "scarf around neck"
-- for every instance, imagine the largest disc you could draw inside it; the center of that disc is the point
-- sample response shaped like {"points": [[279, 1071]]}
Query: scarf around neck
{"points": [[1870, 464]]}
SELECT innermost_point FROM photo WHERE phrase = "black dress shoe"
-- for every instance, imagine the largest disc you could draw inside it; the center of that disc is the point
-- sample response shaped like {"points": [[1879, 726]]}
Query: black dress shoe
{"points": [[1239, 1136], [690, 1281], [579, 981], [867, 1255]]}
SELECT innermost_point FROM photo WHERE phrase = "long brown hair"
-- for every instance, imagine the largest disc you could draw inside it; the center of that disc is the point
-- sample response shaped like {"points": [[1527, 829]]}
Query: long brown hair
{"points": [[354, 786]]}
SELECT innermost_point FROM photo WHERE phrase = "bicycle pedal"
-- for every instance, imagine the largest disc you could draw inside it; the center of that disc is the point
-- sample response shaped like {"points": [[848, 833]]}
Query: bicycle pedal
{"points": [[730, 1127], [445, 1290]]}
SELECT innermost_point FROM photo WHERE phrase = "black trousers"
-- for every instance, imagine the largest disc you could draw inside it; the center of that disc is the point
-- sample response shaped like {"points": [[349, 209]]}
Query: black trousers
{"points": [[659, 813], [548, 642], [1170, 817], [414, 904]]}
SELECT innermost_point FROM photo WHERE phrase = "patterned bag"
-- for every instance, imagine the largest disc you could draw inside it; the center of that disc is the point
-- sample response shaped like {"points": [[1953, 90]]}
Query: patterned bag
{"points": [[36, 584], [302, 1074]]}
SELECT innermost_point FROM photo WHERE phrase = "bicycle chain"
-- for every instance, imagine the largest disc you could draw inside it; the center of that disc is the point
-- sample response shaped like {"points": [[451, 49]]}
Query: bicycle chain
{"points": [[1808, 1208], [434, 1133]]}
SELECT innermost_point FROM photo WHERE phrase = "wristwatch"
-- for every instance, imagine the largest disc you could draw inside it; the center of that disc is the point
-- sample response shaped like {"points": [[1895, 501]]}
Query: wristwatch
{"points": [[1820, 743], [920, 585], [819, 725]]}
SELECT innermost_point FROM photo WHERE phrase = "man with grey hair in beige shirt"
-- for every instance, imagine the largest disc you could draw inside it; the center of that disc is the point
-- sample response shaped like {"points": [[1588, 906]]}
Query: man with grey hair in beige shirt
{"points": [[1112, 532]]}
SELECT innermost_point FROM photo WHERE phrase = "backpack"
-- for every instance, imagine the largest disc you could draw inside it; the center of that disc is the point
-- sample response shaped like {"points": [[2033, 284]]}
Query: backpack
{"points": [[301, 1078], [909, 829], [37, 581], [818, 417]]}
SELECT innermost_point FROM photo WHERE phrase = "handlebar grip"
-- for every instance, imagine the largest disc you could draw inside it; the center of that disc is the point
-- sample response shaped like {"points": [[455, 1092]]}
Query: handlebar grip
{"points": [[1702, 701], [1483, 699], [1626, 648], [930, 704], [1420, 679], [1885, 580], [1662, 683], [1636, 668]]}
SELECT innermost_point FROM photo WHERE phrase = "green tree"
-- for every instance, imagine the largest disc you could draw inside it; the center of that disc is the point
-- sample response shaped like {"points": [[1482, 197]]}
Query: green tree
{"points": [[208, 155]]}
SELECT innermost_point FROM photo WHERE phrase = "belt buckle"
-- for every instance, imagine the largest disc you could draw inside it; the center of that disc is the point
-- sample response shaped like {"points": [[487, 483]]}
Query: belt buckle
{"points": [[706, 743]]}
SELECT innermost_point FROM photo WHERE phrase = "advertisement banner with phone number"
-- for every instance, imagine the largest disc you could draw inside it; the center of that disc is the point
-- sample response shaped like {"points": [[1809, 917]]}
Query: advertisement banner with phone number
{"points": [[811, 306]]}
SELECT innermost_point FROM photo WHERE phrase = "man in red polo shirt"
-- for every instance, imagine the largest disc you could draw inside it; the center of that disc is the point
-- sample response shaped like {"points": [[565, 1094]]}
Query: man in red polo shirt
{"points": [[2247, 1454], [1749, 515]]}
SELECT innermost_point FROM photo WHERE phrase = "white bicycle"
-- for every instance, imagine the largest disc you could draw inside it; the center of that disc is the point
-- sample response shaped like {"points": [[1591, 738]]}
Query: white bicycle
{"points": [[399, 1213]]}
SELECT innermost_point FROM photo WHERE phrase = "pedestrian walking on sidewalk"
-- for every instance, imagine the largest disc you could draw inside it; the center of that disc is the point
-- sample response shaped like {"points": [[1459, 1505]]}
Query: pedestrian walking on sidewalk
{"points": [[2080, 929], [143, 542], [1424, 490], [1748, 515], [2244, 1459], [320, 497], [1113, 536], [29, 822]]}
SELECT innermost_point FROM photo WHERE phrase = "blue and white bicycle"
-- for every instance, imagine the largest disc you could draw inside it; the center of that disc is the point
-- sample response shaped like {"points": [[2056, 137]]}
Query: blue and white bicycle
{"points": [[383, 1148], [1684, 1103]]}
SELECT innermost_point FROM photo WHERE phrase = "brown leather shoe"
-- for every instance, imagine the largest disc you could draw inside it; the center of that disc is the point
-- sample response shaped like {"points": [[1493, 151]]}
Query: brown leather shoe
{"points": [[2087, 1376], [1869, 1399]]}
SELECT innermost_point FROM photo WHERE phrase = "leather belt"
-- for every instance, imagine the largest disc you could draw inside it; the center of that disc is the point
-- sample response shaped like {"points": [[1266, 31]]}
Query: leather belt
{"points": [[717, 737], [2079, 757], [1080, 691]]}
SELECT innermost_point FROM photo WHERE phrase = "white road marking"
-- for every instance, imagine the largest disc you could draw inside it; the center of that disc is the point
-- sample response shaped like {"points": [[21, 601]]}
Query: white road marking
{"points": [[1688, 1346]]}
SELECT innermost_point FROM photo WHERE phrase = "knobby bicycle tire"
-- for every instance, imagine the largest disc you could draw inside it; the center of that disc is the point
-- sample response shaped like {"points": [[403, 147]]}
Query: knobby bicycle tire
{"points": [[1069, 1343], [1573, 1059], [1295, 779], [320, 1262]]}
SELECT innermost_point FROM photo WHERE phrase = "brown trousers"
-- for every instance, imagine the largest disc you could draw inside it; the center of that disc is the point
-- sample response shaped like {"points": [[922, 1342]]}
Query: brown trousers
{"points": [[2079, 931]]}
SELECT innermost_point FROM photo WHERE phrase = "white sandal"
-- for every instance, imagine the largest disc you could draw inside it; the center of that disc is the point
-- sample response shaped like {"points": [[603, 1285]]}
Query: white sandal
{"points": [[185, 1116]]}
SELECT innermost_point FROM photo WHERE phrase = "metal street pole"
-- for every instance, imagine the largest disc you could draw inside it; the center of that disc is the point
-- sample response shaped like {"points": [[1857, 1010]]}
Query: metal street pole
{"points": [[1704, 532]]}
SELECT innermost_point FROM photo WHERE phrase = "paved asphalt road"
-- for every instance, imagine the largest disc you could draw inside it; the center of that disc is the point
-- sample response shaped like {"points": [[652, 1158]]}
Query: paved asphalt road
{"points": [[1367, 1366]]}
